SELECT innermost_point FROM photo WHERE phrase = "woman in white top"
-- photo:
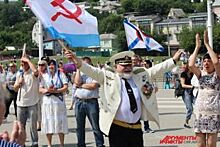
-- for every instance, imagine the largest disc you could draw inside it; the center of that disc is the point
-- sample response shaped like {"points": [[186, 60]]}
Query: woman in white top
{"points": [[54, 117], [42, 69], [207, 105]]}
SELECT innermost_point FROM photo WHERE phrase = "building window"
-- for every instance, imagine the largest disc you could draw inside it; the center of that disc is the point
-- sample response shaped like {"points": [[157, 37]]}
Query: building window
{"points": [[170, 37], [177, 28], [178, 37], [161, 29]]}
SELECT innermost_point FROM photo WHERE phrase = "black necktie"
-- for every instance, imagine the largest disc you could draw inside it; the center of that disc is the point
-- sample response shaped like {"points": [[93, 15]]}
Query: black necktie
{"points": [[133, 104]]}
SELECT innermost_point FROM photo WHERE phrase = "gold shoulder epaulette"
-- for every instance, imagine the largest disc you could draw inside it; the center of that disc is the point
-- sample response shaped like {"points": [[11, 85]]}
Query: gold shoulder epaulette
{"points": [[110, 69], [139, 70]]}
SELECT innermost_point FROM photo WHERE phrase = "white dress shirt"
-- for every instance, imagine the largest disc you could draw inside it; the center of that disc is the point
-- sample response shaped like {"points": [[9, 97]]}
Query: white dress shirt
{"points": [[124, 113]]}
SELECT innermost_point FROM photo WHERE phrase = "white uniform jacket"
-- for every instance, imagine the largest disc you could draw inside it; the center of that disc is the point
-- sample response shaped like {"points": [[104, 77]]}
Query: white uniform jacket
{"points": [[110, 95]]}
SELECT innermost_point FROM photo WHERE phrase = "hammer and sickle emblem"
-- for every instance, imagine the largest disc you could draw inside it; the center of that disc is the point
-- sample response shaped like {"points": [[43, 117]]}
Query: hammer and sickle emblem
{"points": [[68, 13]]}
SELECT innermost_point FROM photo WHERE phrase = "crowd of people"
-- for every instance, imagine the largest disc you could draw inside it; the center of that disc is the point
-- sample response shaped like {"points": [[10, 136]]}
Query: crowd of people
{"points": [[115, 98]]}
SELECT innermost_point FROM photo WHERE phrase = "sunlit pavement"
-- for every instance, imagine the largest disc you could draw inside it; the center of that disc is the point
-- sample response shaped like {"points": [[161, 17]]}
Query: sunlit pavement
{"points": [[171, 133]]}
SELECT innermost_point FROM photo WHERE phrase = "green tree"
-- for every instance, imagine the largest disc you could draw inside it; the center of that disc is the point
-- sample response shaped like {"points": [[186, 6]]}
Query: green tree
{"points": [[216, 37], [187, 38], [147, 7], [15, 25], [200, 7], [121, 41], [5, 39], [9, 14], [128, 5], [111, 24], [5, 1], [76, 1]]}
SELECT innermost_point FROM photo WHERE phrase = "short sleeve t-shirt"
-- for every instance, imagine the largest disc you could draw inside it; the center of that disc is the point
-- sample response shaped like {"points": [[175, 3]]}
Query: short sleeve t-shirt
{"points": [[186, 77], [28, 94]]}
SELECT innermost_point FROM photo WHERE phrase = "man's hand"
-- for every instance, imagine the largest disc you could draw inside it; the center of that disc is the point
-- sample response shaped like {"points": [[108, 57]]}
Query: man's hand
{"points": [[21, 81], [69, 54], [72, 56], [44, 90], [198, 41], [206, 38], [176, 56], [25, 59], [18, 134], [52, 90], [5, 136]]}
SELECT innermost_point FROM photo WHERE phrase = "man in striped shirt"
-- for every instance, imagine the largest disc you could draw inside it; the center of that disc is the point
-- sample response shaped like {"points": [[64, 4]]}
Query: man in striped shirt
{"points": [[4, 143]]}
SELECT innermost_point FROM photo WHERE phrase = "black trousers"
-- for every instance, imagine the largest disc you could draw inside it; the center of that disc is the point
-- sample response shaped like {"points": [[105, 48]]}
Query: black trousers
{"points": [[125, 137], [13, 97], [146, 125]]}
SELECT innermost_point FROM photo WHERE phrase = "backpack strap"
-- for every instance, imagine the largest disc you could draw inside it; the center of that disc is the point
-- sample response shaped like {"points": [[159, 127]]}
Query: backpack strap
{"points": [[60, 78]]}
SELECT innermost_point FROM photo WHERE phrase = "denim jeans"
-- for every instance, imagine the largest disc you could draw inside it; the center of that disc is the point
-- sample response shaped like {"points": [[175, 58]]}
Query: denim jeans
{"points": [[29, 112], [188, 99], [89, 108]]}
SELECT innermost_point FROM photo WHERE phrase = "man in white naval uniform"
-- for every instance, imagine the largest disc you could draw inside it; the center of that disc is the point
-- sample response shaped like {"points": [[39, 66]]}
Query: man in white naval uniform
{"points": [[126, 96]]}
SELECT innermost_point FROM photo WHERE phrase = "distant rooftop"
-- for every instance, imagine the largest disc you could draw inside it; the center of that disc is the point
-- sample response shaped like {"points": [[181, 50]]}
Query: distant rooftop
{"points": [[174, 21], [176, 13], [201, 14], [146, 17], [107, 36]]}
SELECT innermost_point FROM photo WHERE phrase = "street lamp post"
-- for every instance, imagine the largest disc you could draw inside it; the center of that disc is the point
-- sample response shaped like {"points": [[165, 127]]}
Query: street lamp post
{"points": [[209, 22], [40, 36], [168, 39], [216, 9]]}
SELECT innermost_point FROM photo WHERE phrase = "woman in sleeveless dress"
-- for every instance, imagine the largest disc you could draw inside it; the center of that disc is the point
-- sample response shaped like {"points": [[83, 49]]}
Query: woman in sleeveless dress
{"points": [[207, 105]]}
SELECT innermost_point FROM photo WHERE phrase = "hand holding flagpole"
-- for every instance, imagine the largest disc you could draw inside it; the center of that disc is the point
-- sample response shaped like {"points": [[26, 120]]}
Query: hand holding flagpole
{"points": [[21, 80], [64, 48], [71, 55], [24, 51]]}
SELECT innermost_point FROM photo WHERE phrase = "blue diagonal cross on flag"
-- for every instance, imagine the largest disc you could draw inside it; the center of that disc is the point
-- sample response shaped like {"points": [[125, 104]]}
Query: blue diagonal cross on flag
{"points": [[138, 39]]}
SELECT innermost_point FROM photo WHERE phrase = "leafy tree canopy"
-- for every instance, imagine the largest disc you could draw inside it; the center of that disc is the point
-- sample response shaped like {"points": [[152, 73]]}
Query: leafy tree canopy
{"points": [[187, 38], [162, 7], [16, 25]]}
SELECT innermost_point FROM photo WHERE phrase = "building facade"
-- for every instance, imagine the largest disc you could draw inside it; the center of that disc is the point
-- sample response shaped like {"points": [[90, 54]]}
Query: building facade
{"points": [[170, 26], [107, 42]]}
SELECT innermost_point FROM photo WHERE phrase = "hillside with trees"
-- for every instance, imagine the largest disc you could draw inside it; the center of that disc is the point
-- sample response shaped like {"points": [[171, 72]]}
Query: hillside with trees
{"points": [[16, 25]]}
